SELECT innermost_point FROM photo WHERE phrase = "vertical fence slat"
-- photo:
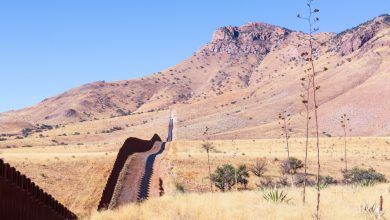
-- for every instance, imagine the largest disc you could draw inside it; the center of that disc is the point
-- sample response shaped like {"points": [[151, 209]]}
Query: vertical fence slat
{"points": [[24, 199], [6, 170], [1, 167], [17, 178]]}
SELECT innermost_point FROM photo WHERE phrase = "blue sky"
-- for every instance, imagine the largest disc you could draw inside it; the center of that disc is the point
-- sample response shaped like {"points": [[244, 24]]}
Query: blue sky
{"points": [[48, 47]]}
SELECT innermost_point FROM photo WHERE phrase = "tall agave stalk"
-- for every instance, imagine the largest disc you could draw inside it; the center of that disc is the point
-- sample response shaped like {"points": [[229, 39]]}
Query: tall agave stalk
{"points": [[306, 102], [207, 146], [344, 119], [311, 21], [284, 118]]}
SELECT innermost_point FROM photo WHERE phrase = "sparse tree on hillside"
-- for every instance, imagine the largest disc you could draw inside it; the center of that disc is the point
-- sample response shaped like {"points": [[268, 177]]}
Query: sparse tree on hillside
{"points": [[312, 20]]}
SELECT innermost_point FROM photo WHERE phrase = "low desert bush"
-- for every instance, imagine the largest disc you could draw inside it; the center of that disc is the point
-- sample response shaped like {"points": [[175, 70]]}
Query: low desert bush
{"points": [[223, 177], [290, 166], [259, 167], [179, 188], [242, 175], [363, 176], [326, 181]]}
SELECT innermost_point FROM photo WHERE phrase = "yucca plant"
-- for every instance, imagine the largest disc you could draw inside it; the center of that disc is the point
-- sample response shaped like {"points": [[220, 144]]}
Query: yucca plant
{"points": [[367, 183], [326, 181], [323, 185], [371, 211], [276, 196]]}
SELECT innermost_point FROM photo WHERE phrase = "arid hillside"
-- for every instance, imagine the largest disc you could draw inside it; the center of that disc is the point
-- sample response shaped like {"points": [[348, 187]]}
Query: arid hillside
{"points": [[236, 85]]}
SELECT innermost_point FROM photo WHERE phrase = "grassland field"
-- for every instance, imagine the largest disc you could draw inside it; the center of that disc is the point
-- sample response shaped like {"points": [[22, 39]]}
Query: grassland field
{"points": [[76, 175]]}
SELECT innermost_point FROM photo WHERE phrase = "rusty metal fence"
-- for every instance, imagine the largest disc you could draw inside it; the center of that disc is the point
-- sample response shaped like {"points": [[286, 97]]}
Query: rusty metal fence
{"points": [[131, 145], [20, 198]]}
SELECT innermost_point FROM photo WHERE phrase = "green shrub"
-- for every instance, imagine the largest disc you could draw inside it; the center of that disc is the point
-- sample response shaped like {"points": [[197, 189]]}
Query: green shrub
{"points": [[363, 176], [242, 175], [327, 180], [26, 131], [223, 177], [179, 188], [291, 166]]}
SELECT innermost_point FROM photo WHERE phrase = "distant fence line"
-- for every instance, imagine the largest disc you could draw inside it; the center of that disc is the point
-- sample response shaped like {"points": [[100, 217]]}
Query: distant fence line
{"points": [[131, 146], [20, 198]]}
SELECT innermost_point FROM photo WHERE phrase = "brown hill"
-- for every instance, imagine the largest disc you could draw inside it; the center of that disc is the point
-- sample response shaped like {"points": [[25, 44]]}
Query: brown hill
{"points": [[236, 85]]}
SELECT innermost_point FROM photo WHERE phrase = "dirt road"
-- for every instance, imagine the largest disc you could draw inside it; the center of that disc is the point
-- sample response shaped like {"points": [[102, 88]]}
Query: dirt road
{"points": [[138, 178]]}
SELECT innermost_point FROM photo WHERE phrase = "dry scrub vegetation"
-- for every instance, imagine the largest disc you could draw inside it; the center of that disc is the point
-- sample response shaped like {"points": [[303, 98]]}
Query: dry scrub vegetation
{"points": [[76, 175], [187, 160], [186, 171], [338, 202]]}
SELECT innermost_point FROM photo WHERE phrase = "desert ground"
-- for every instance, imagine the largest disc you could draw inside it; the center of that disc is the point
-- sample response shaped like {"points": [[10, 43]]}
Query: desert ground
{"points": [[338, 202], [76, 175], [187, 160]]}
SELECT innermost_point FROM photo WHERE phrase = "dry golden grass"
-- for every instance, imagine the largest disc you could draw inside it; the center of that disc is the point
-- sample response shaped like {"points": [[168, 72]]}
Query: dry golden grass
{"points": [[338, 202], [76, 174], [187, 161]]}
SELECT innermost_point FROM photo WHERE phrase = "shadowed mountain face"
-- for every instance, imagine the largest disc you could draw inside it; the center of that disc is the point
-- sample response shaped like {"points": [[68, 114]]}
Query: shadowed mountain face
{"points": [[239, 82]]}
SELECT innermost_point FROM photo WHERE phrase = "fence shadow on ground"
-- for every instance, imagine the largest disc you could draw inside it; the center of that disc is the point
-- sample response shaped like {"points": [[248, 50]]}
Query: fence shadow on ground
{"points": [[131, 146]]}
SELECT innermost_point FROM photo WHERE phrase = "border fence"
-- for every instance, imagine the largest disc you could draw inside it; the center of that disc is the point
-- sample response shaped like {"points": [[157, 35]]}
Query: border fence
{"points": [[20, 198], [131, 145]]}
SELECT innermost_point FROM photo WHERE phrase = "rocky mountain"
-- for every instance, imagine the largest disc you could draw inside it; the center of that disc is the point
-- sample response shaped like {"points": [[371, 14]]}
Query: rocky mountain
{"points": [[353, 39], [238, 83], [252, 38]]}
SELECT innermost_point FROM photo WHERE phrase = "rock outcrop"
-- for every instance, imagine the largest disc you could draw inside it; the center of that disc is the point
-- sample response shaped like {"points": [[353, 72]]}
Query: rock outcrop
{"points": [[252, 38], [353, 39]]}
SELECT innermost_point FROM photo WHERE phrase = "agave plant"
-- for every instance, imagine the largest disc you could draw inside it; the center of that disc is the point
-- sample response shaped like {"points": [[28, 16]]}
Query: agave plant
{"points": [[276, 196], [371, 211], [367, 183]]}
